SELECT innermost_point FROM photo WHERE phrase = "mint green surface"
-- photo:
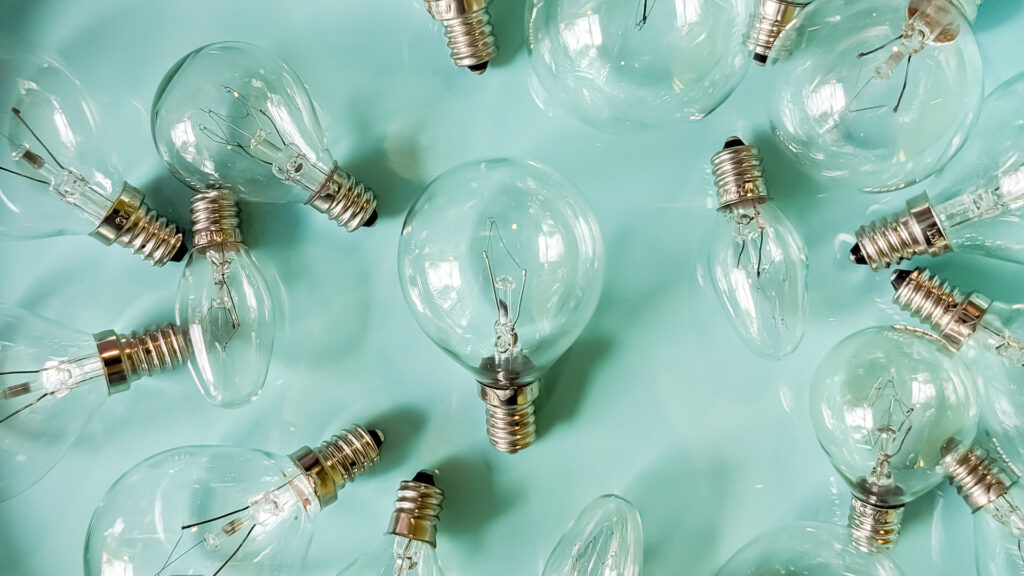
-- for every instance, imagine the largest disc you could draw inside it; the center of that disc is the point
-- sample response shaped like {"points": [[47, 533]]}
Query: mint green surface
{"points": [[658, 401]]}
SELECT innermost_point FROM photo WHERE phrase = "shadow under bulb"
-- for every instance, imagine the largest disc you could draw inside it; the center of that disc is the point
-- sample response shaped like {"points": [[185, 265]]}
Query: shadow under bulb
{"points": [[501, 263], [56, 177], [876, 94]]}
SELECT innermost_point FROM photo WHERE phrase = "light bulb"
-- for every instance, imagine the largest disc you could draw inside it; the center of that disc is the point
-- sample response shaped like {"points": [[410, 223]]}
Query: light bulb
{"points": [[956, 317], [467, 25], [637, 64], [985, 487], [222, 509], [886, 403], [980, 206], [224, 303], [997, 552], [877, 94], [501, 263], [806, 548], [768, 21], [233, 116], [408, 547], [52, 380], [606, 539], [55, 176], [757, 261]]}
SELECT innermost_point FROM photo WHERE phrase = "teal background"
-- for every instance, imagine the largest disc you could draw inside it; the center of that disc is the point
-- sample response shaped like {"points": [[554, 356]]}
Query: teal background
{"points": [[658, 401]]}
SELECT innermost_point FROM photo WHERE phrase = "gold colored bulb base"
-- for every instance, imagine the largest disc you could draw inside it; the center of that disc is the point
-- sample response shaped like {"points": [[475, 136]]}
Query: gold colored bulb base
{"points": [[129, 358], [133, 225], [338, 460], [976, 480], [418, 508], [874, 529], [511, 425]]}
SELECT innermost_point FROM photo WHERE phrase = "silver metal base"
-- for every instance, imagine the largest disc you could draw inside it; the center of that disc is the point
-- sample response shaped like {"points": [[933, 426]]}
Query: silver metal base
{"points": [[886, 242], [511, 425], [128, 358], [130, 223], [738, 174], [344, 199], [977, 481], [214, 218], [417, 508], [874, 529], [339, 460], [767, 23], [467, 25], [953, 316]]}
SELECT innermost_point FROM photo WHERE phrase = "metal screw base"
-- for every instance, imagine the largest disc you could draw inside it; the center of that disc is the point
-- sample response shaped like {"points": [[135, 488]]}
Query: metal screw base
{"points": [[214, 218], [511, 425], [345, 200], [339, 460], [767, 23], [417, 509], [467, 25], [873, 528], [129, 358], [953, 316], [130, 223], [738, 174], [977, 481], [885, 242]]}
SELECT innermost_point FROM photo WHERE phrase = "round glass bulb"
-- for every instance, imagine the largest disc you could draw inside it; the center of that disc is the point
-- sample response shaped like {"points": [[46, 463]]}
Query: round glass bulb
{"points": [[885, 404], [879, 94], [638, 63], [806, 549], [606, 539], [501, 263]]}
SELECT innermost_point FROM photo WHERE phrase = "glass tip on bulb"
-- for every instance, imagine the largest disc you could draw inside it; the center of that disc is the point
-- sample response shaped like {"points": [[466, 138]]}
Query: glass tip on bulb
{"points": [[417, 508], [467, 25], [889, 241], [738, 174], [126, 359], [949, 313], [338, 460]]}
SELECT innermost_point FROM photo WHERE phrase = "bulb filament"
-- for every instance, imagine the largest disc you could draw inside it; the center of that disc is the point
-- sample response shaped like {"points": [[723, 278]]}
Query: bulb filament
{"points": [[506, 340], [221, 317], [56, 379], [890, 434]]}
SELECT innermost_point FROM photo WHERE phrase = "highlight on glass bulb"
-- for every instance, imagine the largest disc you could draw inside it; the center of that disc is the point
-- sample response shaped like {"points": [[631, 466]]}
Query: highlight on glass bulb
{"points": [[806, 548], [887, 403], [222, 509], [467, 25], [56, 177], [224, 303], [980, 206], [54, 378], [878, 95], [757, 261], [233, 116], [501, 264], [408, 546], [606, 539], [636, 64], [958, 318]]}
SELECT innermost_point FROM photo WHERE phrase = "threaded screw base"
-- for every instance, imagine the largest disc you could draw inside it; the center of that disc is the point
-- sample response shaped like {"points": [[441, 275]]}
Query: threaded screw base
{"points": [[511, 425], [130, 223], [338, 460], [874, 528], [889, 241], [128, 358], [976, 480], [345, 200], [417, 509], [215, 218], [467, 25], [766, 25], [738, 173], [949, 313]]}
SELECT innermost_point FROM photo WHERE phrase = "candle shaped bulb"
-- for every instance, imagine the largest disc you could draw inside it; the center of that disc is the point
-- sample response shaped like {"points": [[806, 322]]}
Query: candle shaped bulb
{"points": [[605, 539]]}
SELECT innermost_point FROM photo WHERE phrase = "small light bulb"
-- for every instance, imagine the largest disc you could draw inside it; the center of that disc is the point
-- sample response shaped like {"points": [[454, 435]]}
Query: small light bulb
{"points": [[605, 539], [467, 25]]}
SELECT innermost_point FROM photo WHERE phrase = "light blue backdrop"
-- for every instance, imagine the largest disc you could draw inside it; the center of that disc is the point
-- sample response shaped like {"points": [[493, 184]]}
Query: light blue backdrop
{"points": [[658, 401]]}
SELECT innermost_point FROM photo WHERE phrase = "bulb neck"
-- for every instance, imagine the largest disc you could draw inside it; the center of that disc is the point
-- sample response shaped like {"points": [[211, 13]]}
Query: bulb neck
{"points": [[126, 359], [767, 23], [949, 313], [417, 509], [215, 218], [874, 529], [976, 479], [338, 460], [889, 241], [467, 25], [130, 223], [738, 174], [345, 200], [511, 425]]}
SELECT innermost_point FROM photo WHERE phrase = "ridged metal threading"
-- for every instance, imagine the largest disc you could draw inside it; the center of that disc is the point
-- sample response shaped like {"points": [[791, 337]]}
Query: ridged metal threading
{"points": [[344, 199], [951, 314], [767, 23], [887, 241], [152, 351], [417, 509], [511, 429], [873, 528], [215, 218], [471, 39], [347, 454], [151, 236], [976, 480], [738, 173]]}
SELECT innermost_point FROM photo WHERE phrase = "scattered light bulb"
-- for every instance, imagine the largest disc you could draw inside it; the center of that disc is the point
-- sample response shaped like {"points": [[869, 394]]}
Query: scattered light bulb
{"points": [[806, 548], [501, 263], [52, 380], [224, 303], [757, 260], [467, 25], [207, 509], [877, 93], [886, 403], [981, 206], [957, 317], [637, 64], [768, 21], [50, 140], [408, 549], [232, 115], [983, 486], [606, 539], [997, 551]]}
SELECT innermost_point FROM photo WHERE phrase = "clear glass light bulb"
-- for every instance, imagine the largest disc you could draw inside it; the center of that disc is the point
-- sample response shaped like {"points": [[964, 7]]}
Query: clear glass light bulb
{"points": [[56, 178], [877, 94], [54, 378], [501, 263], [224, 303], [886, 403], [998, 551], [408, 547], [757, 261], [958, 318], [222, 509], [806, 549], [606, 539], [639, 63], [233, 116], [980, 206]]}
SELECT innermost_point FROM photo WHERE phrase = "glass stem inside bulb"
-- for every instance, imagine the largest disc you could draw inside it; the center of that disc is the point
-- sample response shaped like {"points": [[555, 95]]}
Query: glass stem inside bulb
{"points": [[56, 378], [506, 340], [984, 200], [1001, 340], [1005, 511]]}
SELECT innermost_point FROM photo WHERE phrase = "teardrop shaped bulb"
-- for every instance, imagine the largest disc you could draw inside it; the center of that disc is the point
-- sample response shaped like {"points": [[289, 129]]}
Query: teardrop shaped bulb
{"points": [[606, 539]]}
